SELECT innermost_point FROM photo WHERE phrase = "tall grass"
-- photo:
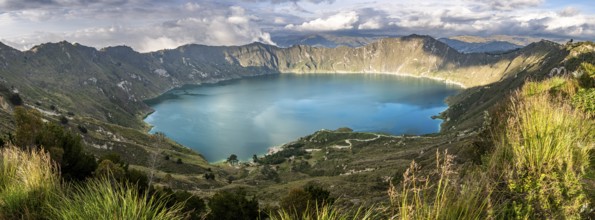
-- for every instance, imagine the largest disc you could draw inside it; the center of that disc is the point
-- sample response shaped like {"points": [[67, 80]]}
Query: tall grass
{"points": [[30, 188], [541, 155], [103, 199], [329, 212], [437, 196], [28, 178]]}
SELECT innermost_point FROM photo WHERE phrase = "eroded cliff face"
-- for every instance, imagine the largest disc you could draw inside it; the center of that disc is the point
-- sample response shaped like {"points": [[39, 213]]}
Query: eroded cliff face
{"points": [[413, 55]]}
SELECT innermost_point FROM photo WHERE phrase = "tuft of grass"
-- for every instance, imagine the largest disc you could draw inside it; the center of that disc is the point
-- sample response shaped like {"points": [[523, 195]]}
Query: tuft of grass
{"points": [[28, 179], [438, 196], [103, 199], [585, 100], [541, 156], [329, 212]]}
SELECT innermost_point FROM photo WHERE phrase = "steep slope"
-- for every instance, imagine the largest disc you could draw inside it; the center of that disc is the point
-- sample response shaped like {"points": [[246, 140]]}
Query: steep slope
{"points": [[413, 55]]}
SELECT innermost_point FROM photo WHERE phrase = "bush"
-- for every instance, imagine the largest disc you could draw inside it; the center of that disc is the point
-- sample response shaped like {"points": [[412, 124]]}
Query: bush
{"points": [[233, 205], [311, 197], [269, 173], [61, 143], [82, 129], [15, 99], [63, 120]]}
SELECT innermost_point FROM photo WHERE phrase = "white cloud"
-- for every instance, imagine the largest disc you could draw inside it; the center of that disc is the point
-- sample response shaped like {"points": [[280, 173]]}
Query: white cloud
{"points": [[340, 21], [224, 27], [191, 6], [279, 20], [374, 23], [511, 4]]}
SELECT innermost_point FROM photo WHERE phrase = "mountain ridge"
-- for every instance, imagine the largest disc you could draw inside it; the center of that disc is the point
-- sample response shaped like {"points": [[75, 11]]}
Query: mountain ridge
{"points": [[130, 76]]}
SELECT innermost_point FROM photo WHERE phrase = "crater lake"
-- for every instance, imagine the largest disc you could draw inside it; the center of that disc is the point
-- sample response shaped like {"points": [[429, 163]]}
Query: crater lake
{"points": [[247, 116]]}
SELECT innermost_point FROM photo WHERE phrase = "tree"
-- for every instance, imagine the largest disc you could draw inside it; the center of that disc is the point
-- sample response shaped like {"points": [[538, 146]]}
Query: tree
{"points": [[233, 205], [255, 158], [232, 159]]}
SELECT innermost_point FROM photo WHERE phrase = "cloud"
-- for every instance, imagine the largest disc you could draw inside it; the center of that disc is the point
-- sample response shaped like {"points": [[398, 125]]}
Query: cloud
{"points": [[340, 21], [292, 1], [231, 26], [191, 6], [35, 4], [569, 12], [511, 4], [374, 23]]}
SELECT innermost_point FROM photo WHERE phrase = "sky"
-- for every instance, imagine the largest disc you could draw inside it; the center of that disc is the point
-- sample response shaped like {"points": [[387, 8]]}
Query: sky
{"points": [[150, 25]]}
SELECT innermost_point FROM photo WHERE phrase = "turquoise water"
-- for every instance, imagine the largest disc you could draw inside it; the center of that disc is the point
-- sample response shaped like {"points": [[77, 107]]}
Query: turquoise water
{"points": [[247, 116]]}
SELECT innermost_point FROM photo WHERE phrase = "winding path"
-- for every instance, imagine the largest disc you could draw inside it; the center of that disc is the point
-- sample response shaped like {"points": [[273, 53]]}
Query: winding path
{"points": [[348, 141]]}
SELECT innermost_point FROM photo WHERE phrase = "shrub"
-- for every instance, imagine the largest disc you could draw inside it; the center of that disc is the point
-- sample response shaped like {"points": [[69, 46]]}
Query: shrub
{"points": [[82, 129], [15, 99], [301, 201], [233, 205], [61, 143], [63, 120], [269, 173]]}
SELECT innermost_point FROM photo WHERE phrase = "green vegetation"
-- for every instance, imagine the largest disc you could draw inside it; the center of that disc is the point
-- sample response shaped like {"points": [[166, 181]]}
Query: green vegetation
{"points": [[100, 199], [537, 167], [30, 189], [438, 196], [28, 181], [300, 202], [65, 147], [329, 212], [233, 205]]}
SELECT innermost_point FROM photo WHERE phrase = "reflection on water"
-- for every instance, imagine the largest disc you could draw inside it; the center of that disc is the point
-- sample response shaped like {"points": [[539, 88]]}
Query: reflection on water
{"points": [[247, 116]]}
